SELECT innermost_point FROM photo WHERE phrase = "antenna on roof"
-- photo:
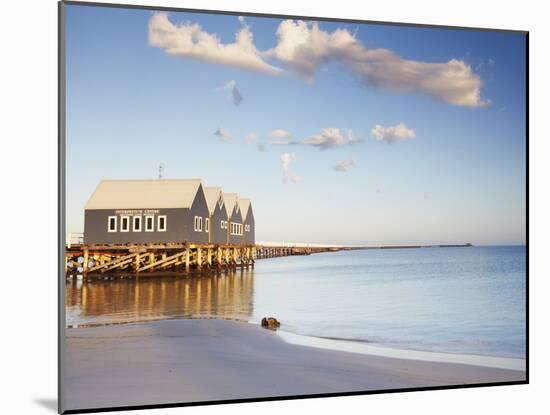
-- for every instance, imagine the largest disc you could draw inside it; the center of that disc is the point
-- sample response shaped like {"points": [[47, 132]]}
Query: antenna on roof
{"points": [[161, 168]]}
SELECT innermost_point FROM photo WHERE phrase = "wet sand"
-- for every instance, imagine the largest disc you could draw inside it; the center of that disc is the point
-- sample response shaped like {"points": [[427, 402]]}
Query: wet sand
{"points": [[175, 361]]}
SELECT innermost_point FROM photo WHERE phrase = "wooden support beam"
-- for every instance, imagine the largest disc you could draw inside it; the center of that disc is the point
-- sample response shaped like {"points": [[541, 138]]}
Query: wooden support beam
{"points": [[164, 262], [187, 261], [209, 256], [151, 260], [127, 260], [112, 262], [199, 258], [86, 259]]}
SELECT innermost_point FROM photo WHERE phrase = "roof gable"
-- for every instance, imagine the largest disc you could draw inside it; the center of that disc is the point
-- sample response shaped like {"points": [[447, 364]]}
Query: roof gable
{"points": [[230, 200], [144, 194], [212, 195], [244, 204]]}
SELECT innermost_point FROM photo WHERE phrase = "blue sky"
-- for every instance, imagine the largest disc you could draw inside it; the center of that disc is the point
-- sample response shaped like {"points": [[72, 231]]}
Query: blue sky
{"points": [[446, 163]]}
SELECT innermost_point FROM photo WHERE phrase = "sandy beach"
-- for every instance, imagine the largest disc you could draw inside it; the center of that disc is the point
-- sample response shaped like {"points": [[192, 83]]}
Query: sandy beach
{"points": [[176, 361]]}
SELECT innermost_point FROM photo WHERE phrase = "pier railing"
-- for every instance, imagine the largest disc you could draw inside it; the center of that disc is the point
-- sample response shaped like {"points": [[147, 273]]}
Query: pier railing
{"points": [[74, 238]]}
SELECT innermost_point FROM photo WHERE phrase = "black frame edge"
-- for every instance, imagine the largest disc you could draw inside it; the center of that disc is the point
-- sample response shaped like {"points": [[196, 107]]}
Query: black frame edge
{"points": [[61, 204]]}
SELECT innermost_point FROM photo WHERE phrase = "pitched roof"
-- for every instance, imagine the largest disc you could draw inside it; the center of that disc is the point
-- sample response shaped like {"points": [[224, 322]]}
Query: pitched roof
{"points": [[229, 200], [244, 204], [212, 195], [144, 194]]}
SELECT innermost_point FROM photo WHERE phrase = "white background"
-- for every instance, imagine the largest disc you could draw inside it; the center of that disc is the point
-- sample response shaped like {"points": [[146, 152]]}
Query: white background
{"points": [[28, 163]]}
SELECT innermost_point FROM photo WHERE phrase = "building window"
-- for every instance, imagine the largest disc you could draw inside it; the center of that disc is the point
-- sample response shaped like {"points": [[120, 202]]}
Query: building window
{"points": [[236, 229], [111, 227], [137, 223], [198, 223], [149, 223], [125, 224], [161, 223], [207, 225], [221, 224]]}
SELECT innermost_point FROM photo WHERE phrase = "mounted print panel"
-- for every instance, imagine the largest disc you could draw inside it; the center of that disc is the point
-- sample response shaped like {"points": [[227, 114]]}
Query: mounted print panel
{"points": [[259, 207]]}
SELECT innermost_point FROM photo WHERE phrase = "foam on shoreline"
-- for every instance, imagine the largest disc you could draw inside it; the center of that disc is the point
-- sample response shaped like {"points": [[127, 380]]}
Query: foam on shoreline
{"points": [[384, 351]]}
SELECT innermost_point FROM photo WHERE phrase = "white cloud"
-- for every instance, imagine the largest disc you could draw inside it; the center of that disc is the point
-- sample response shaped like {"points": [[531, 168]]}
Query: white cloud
{"points": [[396, 133], [279, 134], [330, 137], [304, 48], [223, 133], [235, 94], [344, 165], [281, 142], [188, 40], [286, 159], [250, 137]]}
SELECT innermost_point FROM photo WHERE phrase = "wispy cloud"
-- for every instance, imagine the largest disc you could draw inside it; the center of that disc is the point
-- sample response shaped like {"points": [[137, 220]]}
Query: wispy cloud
{"points": [[329, 138], [250, 137], [398, 132], [286, 159], [279, 134], [223, 133], [281, 142], [344, 165], [189, 40], [260, 147], [304, 48], [234, 92]]}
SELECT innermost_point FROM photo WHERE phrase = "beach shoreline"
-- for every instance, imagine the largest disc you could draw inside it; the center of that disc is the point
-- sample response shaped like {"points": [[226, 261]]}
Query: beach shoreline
{"points": [[198, 360]]}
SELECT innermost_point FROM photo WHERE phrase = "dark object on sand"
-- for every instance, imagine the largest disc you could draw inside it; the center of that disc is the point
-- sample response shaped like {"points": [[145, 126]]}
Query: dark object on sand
{"points": [[270, 323]]}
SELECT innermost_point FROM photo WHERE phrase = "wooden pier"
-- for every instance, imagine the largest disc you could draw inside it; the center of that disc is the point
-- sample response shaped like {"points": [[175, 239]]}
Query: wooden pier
{"points": [[153, 258], [177, 258]]}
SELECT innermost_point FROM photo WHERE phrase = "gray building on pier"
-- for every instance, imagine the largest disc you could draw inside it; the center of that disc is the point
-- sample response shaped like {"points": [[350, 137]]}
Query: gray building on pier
{"points": [[166, 211], [218, 220], [146, 211], [249, 231]]}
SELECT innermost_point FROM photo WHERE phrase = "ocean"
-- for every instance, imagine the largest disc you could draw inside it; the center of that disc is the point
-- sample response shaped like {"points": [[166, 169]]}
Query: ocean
{"points": [[468, 300]]}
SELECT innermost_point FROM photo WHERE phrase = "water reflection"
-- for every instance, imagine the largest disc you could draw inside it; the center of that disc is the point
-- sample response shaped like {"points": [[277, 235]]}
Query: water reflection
{"points": [[227, 295]]}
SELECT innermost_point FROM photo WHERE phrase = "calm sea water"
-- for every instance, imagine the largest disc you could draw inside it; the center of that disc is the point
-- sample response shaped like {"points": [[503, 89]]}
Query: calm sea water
{"points": [[456, 300]]}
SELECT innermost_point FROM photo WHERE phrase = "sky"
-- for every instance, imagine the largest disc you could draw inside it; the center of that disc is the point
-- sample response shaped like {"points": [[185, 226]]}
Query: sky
{"points": [[339, 133]]}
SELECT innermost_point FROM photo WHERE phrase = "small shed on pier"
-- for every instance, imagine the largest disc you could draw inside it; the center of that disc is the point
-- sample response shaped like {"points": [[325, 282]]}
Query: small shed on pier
{"points": [[218, 220], [234, 230], [249, 235]]}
